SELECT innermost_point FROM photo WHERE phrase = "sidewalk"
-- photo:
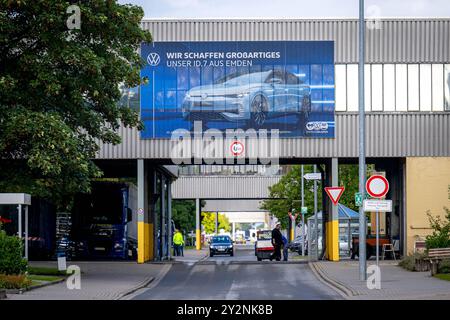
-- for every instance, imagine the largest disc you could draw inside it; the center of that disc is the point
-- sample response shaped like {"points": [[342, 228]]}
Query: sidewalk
{"points": [[192, 256], [396, 282], [105, 280]]}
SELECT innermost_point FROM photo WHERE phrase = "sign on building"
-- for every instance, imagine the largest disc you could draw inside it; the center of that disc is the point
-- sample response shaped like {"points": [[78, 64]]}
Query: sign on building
{"points": [[283, 85]]}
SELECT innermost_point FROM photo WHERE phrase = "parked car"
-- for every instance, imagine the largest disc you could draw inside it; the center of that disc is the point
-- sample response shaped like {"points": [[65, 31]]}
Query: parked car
{"points": [[251, 97], [263, 245], [221, 245], [296, 245]]}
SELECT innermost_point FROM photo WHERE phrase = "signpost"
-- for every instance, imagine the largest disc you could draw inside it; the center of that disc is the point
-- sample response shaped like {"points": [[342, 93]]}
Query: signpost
{"points": [[313, 176], [377, 186]]}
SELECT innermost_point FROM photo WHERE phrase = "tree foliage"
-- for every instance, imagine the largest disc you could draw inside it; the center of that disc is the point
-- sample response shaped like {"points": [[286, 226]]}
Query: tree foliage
{"points": [[440, 238], [209, 222], [286, 194], [183, 214], [59, 91]]}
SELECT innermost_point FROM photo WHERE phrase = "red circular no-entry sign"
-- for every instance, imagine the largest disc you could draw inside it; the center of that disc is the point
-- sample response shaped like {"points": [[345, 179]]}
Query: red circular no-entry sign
{"points": [[377, 186]]}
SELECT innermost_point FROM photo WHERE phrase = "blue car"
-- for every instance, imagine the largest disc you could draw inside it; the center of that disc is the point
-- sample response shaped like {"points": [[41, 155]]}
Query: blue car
{"points": [[251, 97]]}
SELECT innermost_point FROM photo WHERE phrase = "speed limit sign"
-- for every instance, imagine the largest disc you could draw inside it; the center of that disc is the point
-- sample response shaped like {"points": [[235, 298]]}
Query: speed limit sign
{"points": [[237, 148]]}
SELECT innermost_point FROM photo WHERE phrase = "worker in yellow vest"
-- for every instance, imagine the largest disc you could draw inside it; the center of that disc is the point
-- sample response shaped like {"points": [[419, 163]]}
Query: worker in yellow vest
{"points": [[178, 243]]}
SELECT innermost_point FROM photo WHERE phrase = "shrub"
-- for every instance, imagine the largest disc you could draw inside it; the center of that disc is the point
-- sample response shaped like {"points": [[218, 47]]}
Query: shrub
{"points": [[11, 260], [412, 262], [8, 281], [440, 238], [444, 266]]}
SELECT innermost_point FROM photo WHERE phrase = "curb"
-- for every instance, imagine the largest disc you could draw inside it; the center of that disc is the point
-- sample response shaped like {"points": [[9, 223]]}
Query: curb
{"points": [[140, 285], [148, 283], [249, 262], [21, 291], [343, 290]]}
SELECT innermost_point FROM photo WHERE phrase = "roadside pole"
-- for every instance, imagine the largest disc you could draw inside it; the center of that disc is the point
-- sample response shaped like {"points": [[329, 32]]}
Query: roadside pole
{"points": [[316, 226], [198, 238], [377, 222], [362, 136], [303, 215]]}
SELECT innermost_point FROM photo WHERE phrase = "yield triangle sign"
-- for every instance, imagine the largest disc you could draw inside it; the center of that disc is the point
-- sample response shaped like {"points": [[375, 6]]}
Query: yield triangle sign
{"points": [[334, 193]]}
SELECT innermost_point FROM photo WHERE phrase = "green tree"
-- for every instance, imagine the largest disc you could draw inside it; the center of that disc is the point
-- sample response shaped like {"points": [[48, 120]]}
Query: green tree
{"points": [[440, 238], [183, 214], [59, 91], [286, 194], [209, 222]]}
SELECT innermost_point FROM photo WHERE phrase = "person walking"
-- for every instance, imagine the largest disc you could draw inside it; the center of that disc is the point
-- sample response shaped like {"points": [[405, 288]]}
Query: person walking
{"points": [[285, 248], [178, 243], [277, 242]]}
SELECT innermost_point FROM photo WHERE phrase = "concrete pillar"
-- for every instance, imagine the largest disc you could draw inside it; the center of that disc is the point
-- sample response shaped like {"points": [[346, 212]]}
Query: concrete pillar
{"points": [[332, 224], [162, 223], [169, 219], [144, 227], [198, 237], [234, 231], [217, 222]]}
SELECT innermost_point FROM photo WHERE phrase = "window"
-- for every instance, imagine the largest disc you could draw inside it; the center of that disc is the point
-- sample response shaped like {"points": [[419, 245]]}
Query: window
{"points": [[352, 87], [389, 87], [447, 86], [341, 87], [377, 87], [367, 87], [413, 87], [437, 76], [401, 87], [425, 87]]}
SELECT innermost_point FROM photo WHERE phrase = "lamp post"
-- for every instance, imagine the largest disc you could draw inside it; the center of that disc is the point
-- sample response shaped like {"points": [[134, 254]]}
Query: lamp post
{"points": [[362, 160]]}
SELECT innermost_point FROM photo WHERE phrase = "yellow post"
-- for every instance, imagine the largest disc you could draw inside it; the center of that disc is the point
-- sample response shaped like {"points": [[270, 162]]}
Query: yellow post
{"points": [[292, 231], [198, 240]]}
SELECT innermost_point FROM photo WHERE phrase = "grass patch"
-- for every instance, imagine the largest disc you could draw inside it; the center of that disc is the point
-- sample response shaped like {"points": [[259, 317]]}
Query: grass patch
{"points": [[33, 277], [45, 271], [443, 276]]}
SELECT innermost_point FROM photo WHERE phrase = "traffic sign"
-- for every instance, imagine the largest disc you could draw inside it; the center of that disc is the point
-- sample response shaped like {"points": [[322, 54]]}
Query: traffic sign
{"points": [[334, 193], [377, 186], [375, 205], [237, 148], [358, 199], [313, 176], [304, 210]]}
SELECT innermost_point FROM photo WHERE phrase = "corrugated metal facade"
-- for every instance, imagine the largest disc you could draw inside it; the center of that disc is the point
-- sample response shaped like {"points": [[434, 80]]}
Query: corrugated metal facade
{"points": [[392, 41], [237, 187], [388, 134]]}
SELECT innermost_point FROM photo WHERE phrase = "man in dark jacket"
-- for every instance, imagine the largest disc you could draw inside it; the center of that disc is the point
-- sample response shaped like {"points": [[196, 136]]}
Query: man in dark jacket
{"points": [[277, 242]]}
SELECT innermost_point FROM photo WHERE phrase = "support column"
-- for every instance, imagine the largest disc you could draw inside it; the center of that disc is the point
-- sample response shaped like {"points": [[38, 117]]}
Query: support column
{"points": [[234, 230], [332, 227], [198, 237], [217, 222], [162, 223], [144, 227], [26, 232], [169, 224]]}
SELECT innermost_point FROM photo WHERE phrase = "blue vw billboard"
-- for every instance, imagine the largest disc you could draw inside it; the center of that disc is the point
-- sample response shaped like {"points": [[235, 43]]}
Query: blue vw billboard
{"points": [[284, 85]]}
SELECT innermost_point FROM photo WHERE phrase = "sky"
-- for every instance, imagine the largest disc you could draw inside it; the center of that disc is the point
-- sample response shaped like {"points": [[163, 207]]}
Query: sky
{"points": [[290, 8]]}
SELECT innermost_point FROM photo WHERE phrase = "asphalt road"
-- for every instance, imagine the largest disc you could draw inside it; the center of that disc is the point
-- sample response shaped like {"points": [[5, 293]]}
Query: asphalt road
{"points": [[217, 279]]}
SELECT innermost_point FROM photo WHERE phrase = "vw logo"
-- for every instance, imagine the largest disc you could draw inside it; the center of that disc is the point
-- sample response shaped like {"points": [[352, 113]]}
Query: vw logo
{"points": [[204, 96], [153, 59]]}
